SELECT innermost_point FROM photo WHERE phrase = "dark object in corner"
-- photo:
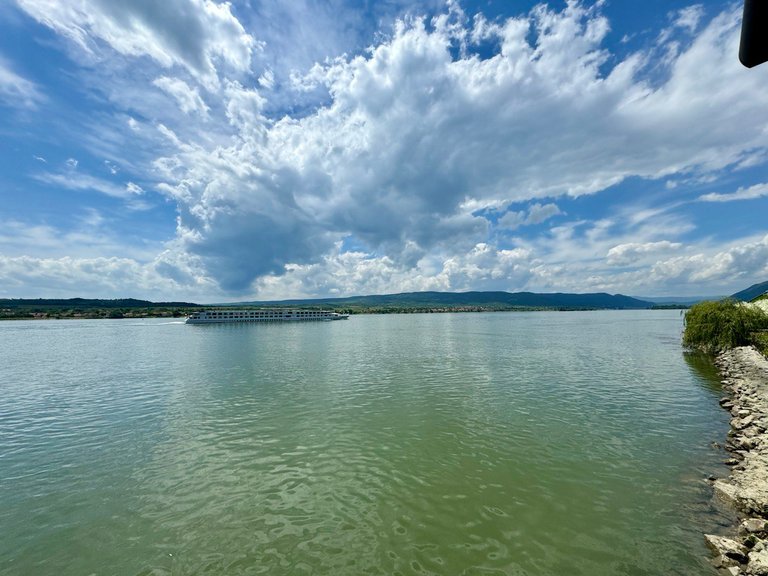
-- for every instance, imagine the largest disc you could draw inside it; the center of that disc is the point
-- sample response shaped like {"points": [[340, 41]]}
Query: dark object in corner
{"points": [[754, 33]]}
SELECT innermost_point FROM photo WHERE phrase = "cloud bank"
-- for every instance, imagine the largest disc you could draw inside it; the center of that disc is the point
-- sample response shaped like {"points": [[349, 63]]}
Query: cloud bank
{"points": [[387, 181]]}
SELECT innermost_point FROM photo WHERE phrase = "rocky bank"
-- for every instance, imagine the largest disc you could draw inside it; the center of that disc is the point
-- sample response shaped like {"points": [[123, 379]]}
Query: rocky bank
{"points": [[745, 380]]}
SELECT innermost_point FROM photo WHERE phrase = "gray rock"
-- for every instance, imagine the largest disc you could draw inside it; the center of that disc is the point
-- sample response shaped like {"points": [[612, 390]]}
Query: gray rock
{"points": [[725, 492], [747, 421], [744, 443], [753, 525], [758, 563], [727, 548]]}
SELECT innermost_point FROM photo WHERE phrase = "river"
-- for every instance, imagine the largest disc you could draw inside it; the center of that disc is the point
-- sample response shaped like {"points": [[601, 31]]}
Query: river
{"points": [[542, 443]]}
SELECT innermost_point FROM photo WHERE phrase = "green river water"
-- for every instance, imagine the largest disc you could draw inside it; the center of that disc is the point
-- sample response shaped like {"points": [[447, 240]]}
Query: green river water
{"points": [[561, 443]]}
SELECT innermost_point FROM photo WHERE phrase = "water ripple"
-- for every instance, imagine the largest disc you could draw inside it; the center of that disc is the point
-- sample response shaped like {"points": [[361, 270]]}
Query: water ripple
{"points": [[507, 444]]}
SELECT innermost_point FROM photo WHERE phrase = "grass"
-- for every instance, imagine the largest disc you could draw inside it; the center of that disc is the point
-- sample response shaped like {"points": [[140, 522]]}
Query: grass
{"points": [[760, 341]]}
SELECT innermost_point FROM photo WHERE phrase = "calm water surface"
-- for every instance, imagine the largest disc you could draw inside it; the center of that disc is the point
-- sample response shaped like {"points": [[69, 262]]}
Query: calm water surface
{"points": [[499, 443]]}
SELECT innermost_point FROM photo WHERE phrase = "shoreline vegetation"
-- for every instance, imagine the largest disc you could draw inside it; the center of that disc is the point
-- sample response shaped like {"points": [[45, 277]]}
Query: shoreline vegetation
{"points": [[80, 313], [714, 327], [406, 303], [737, 333], [90, 309]]}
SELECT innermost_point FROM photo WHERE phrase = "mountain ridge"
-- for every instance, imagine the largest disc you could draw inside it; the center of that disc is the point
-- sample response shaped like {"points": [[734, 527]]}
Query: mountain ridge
{"points": [[487, 300], [749, 294], [484, 299]]}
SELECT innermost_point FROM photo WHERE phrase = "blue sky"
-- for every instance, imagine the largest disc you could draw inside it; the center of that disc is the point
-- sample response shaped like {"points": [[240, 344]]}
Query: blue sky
{"points": [[210, 151]]}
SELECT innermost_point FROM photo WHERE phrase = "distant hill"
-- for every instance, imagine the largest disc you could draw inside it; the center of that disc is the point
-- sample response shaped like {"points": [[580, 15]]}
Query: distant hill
{"points": [[487, 300], [686, 300], [752, 292], [88, 303]]}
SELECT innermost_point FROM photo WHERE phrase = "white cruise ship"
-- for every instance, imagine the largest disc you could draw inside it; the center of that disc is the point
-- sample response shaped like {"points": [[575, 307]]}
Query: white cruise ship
{"points": [[262, 315]]}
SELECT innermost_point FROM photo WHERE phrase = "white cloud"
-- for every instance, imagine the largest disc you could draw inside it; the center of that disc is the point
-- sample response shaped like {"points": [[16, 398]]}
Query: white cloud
{"points": [[716, 269], [631, 253], [73, 179], [483, 267], [76, 181], [200, 35], [188, 98], [411, 140], [30, 277], [512, 220], [44, 261], [750, 193], [538, 213], [300, 33], [88, 235], [742, 260], [79, 181], [132, 188], [689, 17], [487, 267], [17, 91], [267, 80], [412, 135]]}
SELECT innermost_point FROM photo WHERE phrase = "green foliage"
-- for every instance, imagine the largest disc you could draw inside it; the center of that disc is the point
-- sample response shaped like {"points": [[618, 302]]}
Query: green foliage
{"points": [[760, 341], [91, 313], [716, 326]]}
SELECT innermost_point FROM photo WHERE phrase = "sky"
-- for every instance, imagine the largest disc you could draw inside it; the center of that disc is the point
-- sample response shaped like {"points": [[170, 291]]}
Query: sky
{"points": [[214, 151]]}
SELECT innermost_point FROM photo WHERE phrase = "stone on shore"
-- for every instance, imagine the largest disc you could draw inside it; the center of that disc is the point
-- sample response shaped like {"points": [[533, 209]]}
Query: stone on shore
{"points": [[745, 373], [754, 525], [730, 551], [758, 562]]}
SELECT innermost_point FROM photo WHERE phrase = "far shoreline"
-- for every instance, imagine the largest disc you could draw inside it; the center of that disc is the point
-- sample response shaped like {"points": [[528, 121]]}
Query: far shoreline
{"points": [[111, 314]]}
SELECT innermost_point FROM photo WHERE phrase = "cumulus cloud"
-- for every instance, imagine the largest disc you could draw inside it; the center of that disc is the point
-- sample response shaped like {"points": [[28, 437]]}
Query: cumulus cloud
{"points": [[748, 260], [97, 277], [483, 267], [413, 133], [199, 35], [416, 137], [45, 261], [722, 270], [486, 267]]}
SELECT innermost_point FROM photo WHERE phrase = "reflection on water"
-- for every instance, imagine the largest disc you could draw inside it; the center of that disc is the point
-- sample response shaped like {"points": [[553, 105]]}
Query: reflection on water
{"points": [[704, 367], [506, 443]]}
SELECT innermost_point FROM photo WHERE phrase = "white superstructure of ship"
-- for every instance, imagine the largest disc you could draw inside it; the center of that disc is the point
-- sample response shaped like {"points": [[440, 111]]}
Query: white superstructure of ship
{"points": [[262, 315]]}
